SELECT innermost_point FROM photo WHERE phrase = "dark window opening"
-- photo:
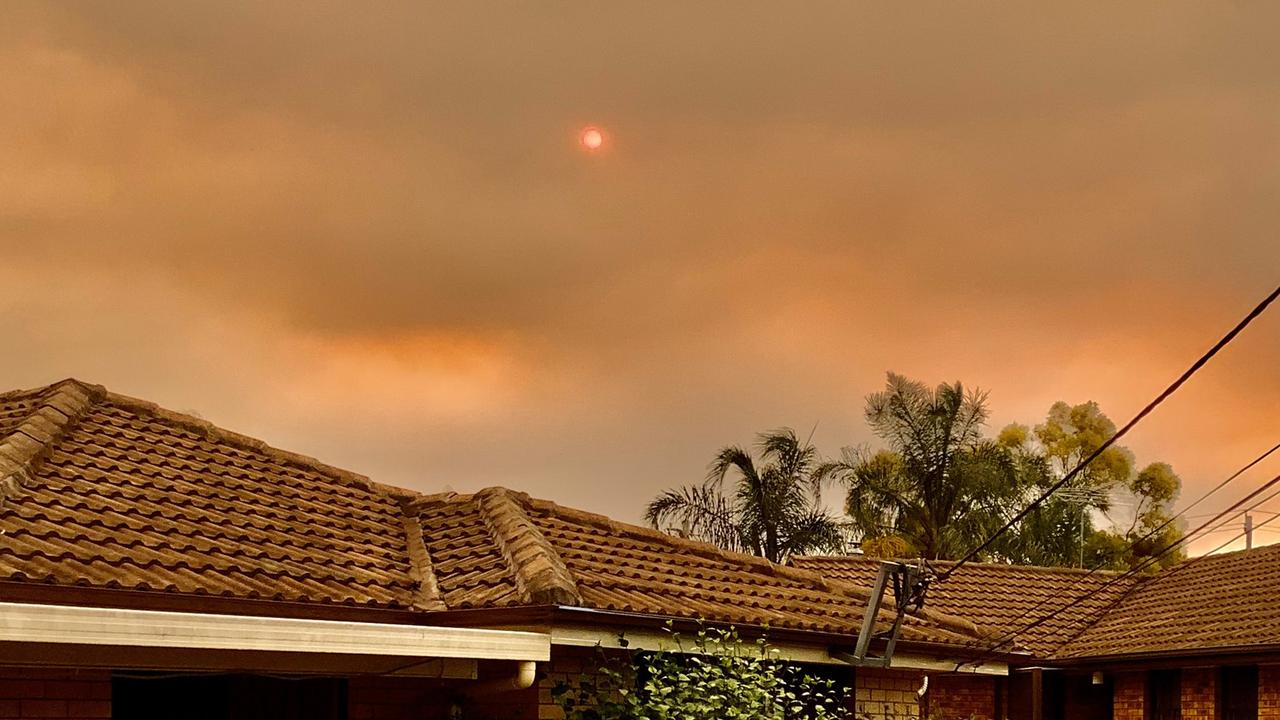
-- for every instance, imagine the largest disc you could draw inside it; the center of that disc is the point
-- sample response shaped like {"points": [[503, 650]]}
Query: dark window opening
{"points": [[1238, 693], [1164, 695], [226, 697]]}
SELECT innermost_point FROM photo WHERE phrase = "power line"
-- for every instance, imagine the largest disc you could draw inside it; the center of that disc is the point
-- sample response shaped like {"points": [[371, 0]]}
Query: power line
{"points": [[1186, 538], [1030, 626], [1182, 379], [1147, 562], [1259, 511]]}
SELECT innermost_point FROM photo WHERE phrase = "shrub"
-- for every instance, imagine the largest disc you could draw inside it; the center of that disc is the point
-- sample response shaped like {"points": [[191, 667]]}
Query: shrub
{"points": [[712, 676]]}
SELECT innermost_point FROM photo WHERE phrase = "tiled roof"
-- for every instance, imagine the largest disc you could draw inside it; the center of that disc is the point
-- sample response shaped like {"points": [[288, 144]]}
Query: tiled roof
{"points": [[1001, 599], [101, 490], [1225, 601], [498, 547]]}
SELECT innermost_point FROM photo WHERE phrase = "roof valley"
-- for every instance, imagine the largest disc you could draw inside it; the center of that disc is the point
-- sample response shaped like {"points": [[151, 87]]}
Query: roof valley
{"points": [[540, 573], [22, 450], [427, 593]]}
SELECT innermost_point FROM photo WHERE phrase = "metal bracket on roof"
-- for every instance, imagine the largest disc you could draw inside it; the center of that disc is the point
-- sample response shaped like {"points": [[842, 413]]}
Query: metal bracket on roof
{"points": [[910, 582]]}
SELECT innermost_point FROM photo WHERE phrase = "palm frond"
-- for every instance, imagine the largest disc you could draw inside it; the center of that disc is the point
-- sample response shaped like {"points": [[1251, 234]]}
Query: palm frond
{"points": [[700, 512]]}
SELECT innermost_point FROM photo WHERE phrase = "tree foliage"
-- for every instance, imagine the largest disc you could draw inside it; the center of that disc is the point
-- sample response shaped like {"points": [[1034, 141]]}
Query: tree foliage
{"points": [[714, 675], [771, 509], [939, 484], [1063, 530]]}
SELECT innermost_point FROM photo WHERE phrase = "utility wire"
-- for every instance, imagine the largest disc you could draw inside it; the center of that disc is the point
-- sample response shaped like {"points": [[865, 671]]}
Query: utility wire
{"points": [[1152, 533], [1259, 511], [1222, 515], [991, 650], [1192, 561], [1148, 562], [1182, 379]]}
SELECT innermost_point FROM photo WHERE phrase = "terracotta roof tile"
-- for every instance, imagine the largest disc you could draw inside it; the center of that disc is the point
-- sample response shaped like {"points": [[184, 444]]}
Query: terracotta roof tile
{"points": [[592, 561], [116, 492], [1222, 601], [102, 490], [1001, 599]]}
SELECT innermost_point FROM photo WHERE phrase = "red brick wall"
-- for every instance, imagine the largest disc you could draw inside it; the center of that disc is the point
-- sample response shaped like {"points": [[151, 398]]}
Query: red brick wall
{"points": [[568, 665], [1130, 696], [1269, 692], [38, 693], [961, 696], [1199, 693]]}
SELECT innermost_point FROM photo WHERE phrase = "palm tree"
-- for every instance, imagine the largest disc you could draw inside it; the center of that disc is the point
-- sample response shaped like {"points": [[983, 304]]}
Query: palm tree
{"points": [[772, 510], [939, 487]]}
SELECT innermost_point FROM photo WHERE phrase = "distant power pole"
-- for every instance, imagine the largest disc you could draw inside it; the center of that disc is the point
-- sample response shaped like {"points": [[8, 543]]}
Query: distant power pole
{"points": [[1248, 531]]}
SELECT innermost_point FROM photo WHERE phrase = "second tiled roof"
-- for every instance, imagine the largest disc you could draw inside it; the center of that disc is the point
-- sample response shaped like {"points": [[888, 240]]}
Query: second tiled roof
{"points": [[1015, 604]]}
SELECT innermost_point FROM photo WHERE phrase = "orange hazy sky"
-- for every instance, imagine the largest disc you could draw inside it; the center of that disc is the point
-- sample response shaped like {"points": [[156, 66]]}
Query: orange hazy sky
{"points": [[367, 232]]}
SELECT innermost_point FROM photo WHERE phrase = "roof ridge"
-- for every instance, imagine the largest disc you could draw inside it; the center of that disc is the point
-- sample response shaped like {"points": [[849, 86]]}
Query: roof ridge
{"points": [[60, 407], [1047, 569], [540, 573]]}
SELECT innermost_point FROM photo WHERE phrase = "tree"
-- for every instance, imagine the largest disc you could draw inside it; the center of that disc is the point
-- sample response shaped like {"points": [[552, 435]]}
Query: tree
{"points": [[772, 510], [939, 485], [1154, 490], [1062, 531]]}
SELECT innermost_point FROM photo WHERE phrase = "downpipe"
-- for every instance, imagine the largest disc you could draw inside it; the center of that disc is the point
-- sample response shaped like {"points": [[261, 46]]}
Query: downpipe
{"points": [[526, 672]]}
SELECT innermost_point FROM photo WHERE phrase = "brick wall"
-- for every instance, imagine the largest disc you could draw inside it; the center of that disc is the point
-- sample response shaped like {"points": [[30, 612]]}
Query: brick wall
{"points": [[886, 694], [1130, 696], [38, 693], [1199, 693], [961, 697], [568, 665], [1269, 692]]}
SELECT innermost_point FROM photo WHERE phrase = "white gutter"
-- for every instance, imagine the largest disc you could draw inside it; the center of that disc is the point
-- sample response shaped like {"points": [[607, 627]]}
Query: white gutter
{"points": [[588, 636], [75, 625]]}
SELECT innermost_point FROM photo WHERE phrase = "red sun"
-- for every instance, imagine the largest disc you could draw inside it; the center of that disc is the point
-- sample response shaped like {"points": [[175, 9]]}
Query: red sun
{"points": [[591, 138]]}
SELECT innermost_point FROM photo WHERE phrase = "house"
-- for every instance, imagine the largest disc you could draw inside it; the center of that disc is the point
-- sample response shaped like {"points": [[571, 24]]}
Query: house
{"points": [[153, 565], [1198, 640]]}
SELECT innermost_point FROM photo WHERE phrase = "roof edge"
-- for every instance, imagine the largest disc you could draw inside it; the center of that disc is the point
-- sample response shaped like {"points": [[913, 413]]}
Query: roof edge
{"points": [[540, 573], [61, 406]]}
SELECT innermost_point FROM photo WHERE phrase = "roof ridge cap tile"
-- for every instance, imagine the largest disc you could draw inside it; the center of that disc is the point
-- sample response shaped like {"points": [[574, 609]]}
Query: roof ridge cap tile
{"points": [[60, 407], [540, 573], [211, 431], [426, 594], [422, 500], [404, 495]]}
